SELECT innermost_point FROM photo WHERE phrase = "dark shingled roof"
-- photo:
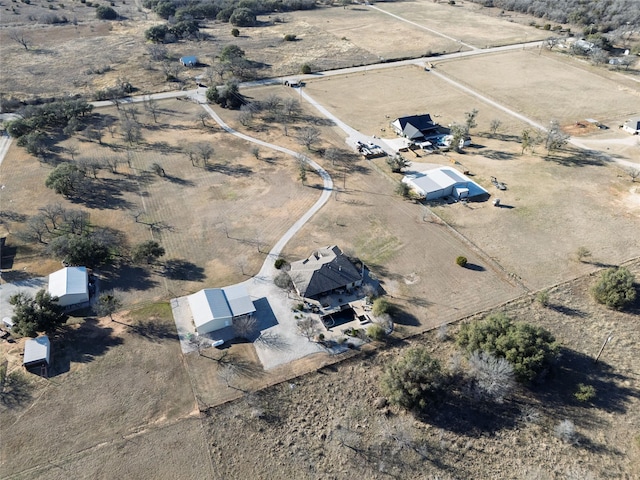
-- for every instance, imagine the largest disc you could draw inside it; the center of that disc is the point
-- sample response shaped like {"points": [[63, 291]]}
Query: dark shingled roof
{"points": [[415, 126], [325, 270]]}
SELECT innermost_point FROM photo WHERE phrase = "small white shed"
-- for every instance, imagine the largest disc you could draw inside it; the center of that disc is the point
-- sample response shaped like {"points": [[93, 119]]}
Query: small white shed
{"points": [[70, 285], [37, 352]]}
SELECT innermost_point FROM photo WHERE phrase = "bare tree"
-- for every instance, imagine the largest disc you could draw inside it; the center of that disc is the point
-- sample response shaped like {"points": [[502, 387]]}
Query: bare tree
{"points": [[245, 116], [290, 107], [72, 150], [255, 151], [152, 107], [308, 136], [157, 52], [556, 138], [551, 42], [202, 118], [241, 262], [53, 212], [308, 328], [190, 152], [470, 119], [332, 154], [171, 70], [131, 131], [112, 163], [245, 327], [495, 125], [491, 378], [19, 37], [205, 152], [272, 104], [76, 221], [157, 169], [37, 227], [633, 173], [90, 165]]}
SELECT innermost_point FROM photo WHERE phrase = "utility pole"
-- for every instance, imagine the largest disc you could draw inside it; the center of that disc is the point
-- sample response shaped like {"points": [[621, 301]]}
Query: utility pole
{"points": [[604, 344]]}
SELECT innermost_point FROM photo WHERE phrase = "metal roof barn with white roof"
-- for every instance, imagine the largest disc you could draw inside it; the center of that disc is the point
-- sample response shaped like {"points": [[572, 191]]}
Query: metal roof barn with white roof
{"points": [[70, 285], [37, 351]]}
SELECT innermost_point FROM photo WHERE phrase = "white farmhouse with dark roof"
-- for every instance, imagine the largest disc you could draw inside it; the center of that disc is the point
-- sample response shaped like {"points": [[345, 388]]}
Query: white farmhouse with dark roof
{"points": [[70, 285], [415, 127], [324, 272]]}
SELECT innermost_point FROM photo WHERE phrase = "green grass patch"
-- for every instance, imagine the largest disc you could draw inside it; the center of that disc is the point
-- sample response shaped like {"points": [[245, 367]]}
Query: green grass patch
{"points": [[160, 310]]}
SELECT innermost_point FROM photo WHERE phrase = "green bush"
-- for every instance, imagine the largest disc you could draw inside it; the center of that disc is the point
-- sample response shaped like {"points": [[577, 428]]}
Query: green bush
{"points": [[376, 332], [530, 349], [413, 380], [615, 288], [242, 17], [585, 392], [279, 263], [543, 298], [289, 37], [235, 32], [106, 13], [306, 69], [462, 261], [380, 307]]}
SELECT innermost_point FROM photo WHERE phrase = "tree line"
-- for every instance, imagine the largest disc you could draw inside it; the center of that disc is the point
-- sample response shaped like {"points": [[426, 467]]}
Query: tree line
{"points": [[604, 15]]}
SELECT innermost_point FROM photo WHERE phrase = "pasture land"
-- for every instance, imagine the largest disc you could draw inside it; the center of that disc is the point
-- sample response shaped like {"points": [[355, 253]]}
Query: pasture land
{"points": [[118, 403], [334, 423], [89, 55], [215, 222], [552, 201], [467, 22]]}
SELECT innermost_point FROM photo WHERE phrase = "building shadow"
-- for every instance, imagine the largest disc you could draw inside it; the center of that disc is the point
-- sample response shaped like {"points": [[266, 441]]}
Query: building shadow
{"points": [[81, 344]]}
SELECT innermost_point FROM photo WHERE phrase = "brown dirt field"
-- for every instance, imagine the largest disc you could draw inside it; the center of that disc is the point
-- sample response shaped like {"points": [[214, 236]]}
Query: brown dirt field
{"points": [[468, 22], [327, 424], [107, 397], [558, 87]]}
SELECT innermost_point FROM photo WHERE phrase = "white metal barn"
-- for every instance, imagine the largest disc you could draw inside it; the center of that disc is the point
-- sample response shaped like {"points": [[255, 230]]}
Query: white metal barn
{"points": [[70, 285], [216, 308], [443, 182], [37, 352]]}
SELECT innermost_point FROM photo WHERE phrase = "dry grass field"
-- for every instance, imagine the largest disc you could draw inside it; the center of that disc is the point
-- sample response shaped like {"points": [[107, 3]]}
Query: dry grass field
{"points": [[557, 87], [124, 402], [216, 222], [551, 201], [118, 404], [333, 424], [89, 55], [468, 22]]}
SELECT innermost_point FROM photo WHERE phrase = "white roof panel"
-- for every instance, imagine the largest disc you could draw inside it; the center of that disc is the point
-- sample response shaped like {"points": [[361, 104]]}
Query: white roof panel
{"points": [[239, 300], [69, 280], [36, 350]]}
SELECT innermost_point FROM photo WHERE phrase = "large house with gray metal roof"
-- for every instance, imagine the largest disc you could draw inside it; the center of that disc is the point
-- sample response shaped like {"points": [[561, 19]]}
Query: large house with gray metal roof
{"points": [[326, 271]]}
